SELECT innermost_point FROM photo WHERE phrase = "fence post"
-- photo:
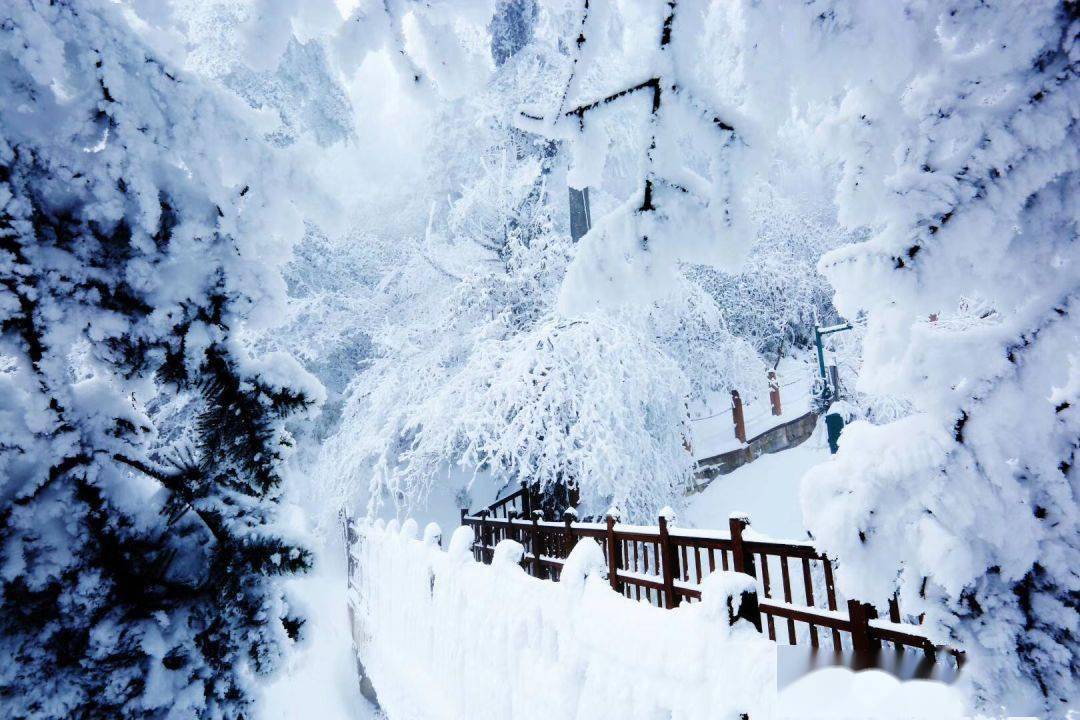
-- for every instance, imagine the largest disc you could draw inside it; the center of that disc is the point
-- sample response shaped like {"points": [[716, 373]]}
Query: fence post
{"points": [[613, 555], [511, 531], [667, 559], [860, 614], [526, 500], [774, 393], [483, 535], [741, 560], [737, 416], [536, 545], [464, 514], [568, 538]]}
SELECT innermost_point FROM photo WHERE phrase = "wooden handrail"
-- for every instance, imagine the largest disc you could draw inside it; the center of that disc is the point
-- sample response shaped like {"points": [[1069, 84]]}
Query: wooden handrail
{"points": [[664, 566]]}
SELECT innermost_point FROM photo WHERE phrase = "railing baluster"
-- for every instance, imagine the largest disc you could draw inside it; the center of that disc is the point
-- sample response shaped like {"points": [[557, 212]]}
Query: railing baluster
{"points": [[786, 580], [768, 594], [808, 589], [637, 566], [830, 596]]}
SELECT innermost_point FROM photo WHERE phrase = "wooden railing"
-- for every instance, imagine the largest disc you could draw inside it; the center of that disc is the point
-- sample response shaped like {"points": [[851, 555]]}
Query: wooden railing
{"points": [[664, 566]]}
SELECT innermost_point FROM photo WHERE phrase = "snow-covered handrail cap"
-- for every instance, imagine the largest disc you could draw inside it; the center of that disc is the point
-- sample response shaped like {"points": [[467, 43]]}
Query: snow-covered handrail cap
{"points": [[668, 514], [740, 515]]}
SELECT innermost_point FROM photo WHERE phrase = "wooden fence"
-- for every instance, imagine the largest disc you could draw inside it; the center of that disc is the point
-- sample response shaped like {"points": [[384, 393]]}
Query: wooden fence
{"points": [[797, 598]]}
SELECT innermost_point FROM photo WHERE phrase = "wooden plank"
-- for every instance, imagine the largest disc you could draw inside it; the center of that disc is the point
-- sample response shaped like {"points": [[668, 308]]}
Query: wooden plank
{"points": [[768, 594], [830, 596], [808, 591], [786, 584], [806, 615], [770, 547]]}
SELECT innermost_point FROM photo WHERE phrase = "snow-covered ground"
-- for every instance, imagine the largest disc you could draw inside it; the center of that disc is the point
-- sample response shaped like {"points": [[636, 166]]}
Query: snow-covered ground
{"points": [[766, 489], [840, 694], [713, 430], [320, 680]]}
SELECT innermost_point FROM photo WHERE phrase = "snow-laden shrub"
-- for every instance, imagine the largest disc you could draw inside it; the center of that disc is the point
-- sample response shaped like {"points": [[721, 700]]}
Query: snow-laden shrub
{"points": [[139, 559]]}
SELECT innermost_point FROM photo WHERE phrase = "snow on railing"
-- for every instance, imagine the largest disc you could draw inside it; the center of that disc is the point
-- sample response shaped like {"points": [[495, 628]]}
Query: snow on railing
{"points": [[443, 636], [667, 567]]}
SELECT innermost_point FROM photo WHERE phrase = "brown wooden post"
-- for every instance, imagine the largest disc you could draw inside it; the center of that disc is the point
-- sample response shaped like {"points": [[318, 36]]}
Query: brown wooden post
{"points": [[830, 597], [464, 514], [774, 394], [860, 615], [568, 536], [613, 555], [737, 416], [894, 608], [537, 545], [526, 500], [511, 531], [484, 536], [667, 565], [742, 561]]}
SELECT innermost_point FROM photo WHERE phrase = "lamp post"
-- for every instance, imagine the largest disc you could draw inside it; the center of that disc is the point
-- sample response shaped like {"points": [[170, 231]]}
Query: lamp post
{"points": [[834, 422], [819, 333]]}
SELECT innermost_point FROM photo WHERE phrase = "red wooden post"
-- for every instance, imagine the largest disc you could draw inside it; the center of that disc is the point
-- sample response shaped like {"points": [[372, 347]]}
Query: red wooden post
{"points": [[667, 565], [737, 416], [741, 560], [774, 393], [613, 555]]}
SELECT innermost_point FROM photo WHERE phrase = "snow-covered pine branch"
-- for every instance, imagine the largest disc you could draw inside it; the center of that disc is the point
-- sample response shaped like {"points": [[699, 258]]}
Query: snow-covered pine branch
{"points": [[137, 235]]}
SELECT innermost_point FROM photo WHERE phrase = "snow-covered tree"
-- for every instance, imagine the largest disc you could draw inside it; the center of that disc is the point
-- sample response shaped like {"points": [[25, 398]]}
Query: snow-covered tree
{"points": [[963, 159], [137, 238], [644, 128]]}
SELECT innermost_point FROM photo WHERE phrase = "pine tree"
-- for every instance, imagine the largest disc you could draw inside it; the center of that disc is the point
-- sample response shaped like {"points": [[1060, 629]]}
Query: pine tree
{"points": [[137, 579]]}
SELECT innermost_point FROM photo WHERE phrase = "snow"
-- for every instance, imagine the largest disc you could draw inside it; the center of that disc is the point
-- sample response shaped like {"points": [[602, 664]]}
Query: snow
{"points": [[840, 694], [446, 637], [766, 490], [319, 680]]}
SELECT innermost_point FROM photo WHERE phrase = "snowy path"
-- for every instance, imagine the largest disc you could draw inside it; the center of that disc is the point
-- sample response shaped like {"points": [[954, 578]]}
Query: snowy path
{"points": [[320, 680], [767, 490]]}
